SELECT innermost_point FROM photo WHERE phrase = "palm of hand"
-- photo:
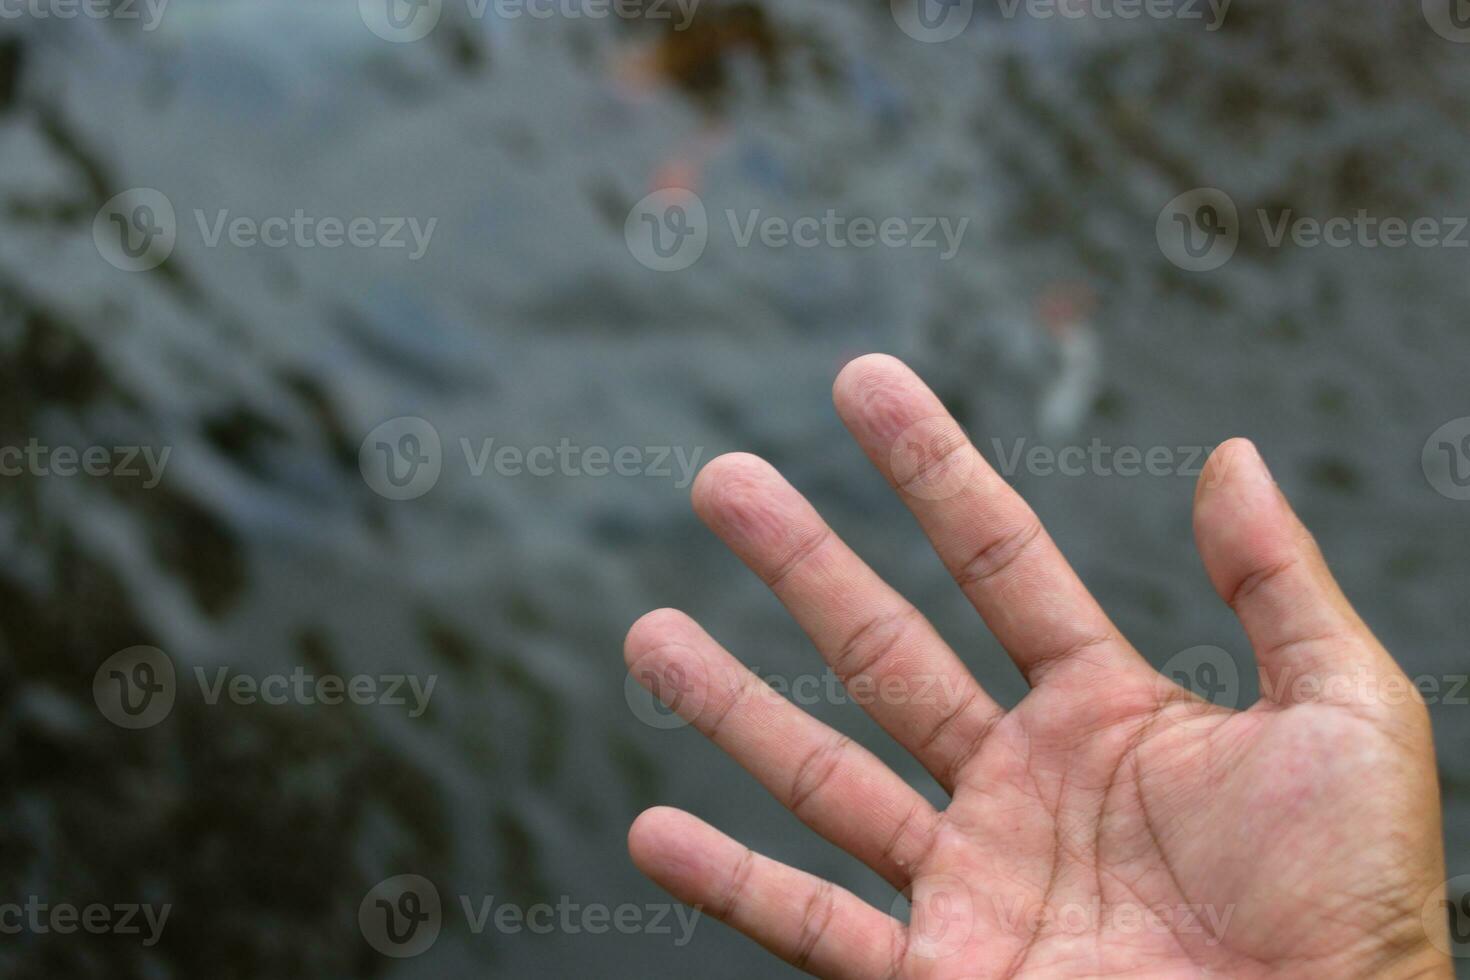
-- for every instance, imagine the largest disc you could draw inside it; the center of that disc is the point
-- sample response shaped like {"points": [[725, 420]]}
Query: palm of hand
{"points": [[1140, 835], [1111, 824]]}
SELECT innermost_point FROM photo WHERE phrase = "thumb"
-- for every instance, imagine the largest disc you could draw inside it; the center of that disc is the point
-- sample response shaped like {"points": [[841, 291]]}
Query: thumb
{"points": [[1310, 644]]}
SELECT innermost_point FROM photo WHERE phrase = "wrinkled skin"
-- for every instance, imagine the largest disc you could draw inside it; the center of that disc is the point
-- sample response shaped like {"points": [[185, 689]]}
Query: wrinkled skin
{"points": [[1112, 823]]}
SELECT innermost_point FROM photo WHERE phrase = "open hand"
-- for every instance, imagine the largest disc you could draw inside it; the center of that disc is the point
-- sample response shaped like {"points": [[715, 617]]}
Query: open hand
{"points": [[1112, 824]]}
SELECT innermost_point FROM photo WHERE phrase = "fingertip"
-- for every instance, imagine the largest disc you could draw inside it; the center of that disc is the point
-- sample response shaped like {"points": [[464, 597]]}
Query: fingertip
{"points": [[646, 836], [753, 509], [872, 393], [654, 629], [672, 847], [726, 477], [1241, 521], [646, 830], [1236, 460], [1235, 488], [863, 370]]}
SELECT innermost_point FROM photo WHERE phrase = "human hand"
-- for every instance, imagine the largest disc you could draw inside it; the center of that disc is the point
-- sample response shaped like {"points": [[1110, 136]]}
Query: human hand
{"points": [[1302, 835]]}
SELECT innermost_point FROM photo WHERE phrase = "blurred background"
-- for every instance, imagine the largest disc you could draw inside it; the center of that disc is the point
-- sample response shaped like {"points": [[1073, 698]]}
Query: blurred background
{"points": [[258, 444]]}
